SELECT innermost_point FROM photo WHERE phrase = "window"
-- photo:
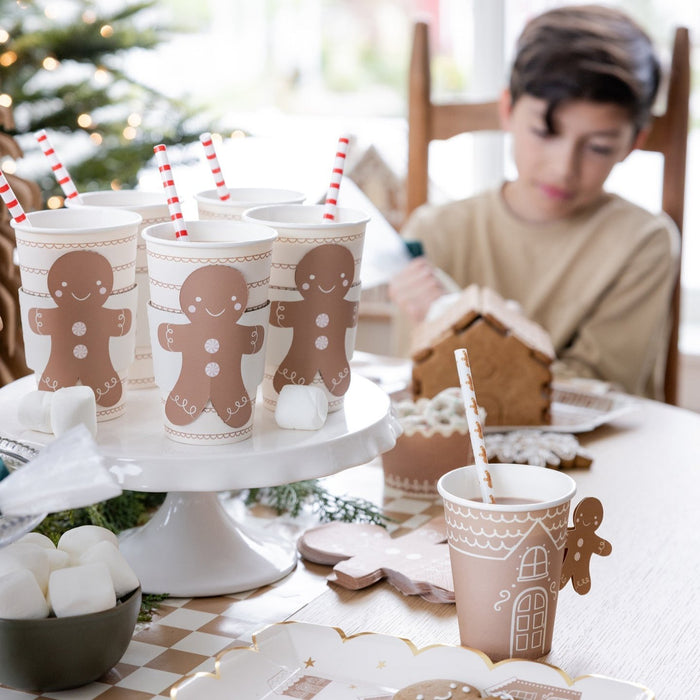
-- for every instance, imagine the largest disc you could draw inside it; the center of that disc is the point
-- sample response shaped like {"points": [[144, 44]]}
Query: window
{"points": [[534, 564]]}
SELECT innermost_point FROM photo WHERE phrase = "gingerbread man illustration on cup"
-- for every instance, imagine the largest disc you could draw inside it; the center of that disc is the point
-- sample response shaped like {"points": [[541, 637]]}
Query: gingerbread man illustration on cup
{"points": [[80, 282], [320, 320], [582, 543], [212, 344]]}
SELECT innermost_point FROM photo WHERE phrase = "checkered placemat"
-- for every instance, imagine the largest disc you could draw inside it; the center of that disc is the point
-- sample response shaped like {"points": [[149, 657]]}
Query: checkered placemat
{"points": [[186, 634]]}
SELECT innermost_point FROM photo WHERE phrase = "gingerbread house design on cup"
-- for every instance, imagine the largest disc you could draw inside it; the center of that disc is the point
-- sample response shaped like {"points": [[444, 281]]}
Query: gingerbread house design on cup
{"points": [[510, 357], [525, 551]]}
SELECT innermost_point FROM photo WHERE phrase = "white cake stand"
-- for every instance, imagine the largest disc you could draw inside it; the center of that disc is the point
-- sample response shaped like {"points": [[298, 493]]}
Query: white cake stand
{"points": [[191, 546]]}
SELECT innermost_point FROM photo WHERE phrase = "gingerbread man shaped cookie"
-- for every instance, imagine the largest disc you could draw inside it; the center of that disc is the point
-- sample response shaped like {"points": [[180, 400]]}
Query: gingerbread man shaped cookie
{"points": [[581, 543], [320, 320], [80, 282], [212, 344]]}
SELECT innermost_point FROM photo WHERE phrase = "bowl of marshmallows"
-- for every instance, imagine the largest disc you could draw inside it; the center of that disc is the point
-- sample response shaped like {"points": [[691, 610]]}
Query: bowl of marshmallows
{"points": [[67, 612]]}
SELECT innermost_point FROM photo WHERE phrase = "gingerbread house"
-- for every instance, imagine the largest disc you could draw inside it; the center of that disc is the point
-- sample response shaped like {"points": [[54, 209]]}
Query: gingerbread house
{"points": [[510, 357]]}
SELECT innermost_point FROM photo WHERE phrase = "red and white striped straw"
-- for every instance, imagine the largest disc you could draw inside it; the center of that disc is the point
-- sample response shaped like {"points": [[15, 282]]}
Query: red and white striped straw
{"points": [[166, 175], [11, 201], [331, 204], [59, 170], [213, 161]]}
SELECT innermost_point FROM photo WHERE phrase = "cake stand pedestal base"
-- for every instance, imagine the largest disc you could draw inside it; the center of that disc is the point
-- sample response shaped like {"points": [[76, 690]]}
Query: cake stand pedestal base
{"points": [[191, 547]]}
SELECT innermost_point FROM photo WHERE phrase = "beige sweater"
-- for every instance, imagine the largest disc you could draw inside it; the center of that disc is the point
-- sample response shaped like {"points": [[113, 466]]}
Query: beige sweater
{"points": [[599, 282]]}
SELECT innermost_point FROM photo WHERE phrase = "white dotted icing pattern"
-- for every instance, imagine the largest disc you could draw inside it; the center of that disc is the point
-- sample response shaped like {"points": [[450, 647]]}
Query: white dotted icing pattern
{"points": [[79, 328], [80, 352]]}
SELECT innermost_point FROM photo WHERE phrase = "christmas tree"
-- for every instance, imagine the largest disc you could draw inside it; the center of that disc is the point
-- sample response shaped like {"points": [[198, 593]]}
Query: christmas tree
{"points": [[62, 69]]}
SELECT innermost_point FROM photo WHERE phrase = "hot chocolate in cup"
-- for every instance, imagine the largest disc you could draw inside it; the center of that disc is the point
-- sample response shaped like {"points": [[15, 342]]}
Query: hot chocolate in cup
{"points": [[208, 317], [210, 206], [507, 557], [153, 208], [314, 296], [78, 299]]}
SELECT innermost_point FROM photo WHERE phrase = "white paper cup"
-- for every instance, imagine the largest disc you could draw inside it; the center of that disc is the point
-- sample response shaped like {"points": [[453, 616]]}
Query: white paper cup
{"points": [[78, 299], [507, 559], [153, 208], [314, 295], [208, 318], [209, 206]]}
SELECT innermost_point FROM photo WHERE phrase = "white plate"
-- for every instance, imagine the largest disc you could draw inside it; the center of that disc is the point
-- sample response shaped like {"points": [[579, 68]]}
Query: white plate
{"points": [[577, 407], [575, 411], [300, 660]]}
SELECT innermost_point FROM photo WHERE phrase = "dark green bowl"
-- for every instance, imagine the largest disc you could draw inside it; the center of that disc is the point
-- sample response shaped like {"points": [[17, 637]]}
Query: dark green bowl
{"points": [[56, 653]]}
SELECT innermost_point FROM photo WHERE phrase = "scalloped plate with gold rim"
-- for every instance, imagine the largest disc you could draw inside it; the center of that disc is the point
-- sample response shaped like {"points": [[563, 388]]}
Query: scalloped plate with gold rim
{"points": [[301, 660]]}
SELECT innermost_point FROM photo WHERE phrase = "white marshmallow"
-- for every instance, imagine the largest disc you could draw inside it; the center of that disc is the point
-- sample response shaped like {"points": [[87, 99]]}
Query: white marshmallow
{"points": [[80, 539], [34, 410], [71, 406], [123, 577], [20, 597], [79, 590], [38, 539], [58, 411], [301, 407], [58, 559], [26, 556]]}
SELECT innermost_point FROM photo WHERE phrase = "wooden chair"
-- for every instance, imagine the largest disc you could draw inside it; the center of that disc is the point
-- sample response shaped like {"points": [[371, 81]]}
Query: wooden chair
{"points": [[428, 121]]}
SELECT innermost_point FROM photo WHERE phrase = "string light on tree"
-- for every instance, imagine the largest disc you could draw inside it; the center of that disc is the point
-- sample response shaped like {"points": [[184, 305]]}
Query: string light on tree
{"points": [[96, 138], [54, 202], [134, 119], [101, 76], [5, 100], [4, 36], [106, 31], [7, 58], [50, 63], [84, 120]]}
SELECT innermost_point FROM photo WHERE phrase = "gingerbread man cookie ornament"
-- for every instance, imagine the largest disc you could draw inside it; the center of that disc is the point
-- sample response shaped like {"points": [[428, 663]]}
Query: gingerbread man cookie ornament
{"points": [[438, 689], [582, 542], [80, 282], [320, 320], [212, 344]]}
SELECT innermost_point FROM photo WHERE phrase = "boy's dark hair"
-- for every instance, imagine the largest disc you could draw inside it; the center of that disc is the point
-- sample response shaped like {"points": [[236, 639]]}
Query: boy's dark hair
{"points": [[586, 52]]}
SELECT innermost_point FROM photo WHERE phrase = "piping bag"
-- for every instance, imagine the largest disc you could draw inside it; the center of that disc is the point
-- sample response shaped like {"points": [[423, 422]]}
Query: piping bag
{"points": [[68, 473]]}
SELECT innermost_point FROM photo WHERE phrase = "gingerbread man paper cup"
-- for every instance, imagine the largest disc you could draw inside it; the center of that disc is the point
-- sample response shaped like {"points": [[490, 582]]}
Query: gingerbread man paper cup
{"points": [[507, 557], [208, 318], [209, 206], [314, 295], [78, 299], [153, 208]]}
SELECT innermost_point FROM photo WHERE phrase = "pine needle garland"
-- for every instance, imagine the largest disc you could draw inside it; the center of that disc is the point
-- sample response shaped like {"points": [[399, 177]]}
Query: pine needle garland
{"points": [[292, 498]]}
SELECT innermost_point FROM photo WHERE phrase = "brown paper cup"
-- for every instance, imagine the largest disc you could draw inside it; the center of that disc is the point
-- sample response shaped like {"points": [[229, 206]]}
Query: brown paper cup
{"points": [[507, 559], [78, 299], [208, 318], [209, 206], [314, 294], [153, 208]]}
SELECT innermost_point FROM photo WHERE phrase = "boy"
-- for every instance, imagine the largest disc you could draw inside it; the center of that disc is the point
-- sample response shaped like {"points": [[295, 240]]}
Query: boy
{"points": [[594, 270]]}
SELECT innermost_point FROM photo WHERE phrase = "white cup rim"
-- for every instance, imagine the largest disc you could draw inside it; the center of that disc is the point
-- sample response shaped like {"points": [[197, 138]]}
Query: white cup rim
{"points": [[558, 486], [279, 215], [79, 220], [231, 234], [119, 199], [251, 197]]}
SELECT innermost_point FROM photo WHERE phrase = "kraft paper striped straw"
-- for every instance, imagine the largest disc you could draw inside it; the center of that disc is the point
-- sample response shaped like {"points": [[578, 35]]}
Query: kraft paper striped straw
{"points": [[11, 201], [59, 170], [476, 431], [166, 175], [331, 204], [213, 161]]}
